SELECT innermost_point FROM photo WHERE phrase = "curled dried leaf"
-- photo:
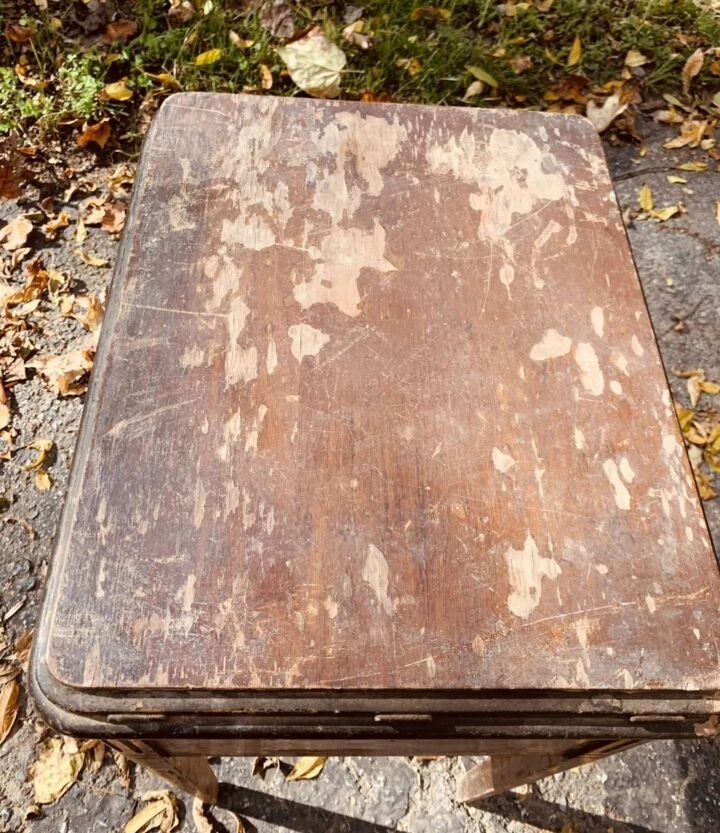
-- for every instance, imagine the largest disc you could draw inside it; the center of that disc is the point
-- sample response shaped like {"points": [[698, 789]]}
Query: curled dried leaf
{"points": [[692, 67], [306, 768], [97, 134], [315, 64], [15, 233], [9, 705], [56, 769]]}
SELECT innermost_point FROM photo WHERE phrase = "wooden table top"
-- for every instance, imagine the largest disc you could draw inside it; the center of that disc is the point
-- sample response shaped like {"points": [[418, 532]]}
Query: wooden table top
{"points": [[378, 406]]}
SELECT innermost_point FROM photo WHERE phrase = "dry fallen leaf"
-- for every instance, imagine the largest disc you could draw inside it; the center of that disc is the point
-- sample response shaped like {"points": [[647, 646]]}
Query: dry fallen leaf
{"points": [[5, 416], [266, 79], [635, 58], [692, 67], [92, 318], [315, 64], [43, 447], [98, 134], [603, 116], [353, 33], [306, 768], [22, 647], [95, 750], [181, 11], [91, 259], [693, 167], [160, 813], [202, 823], [9, 704], [56, 769], [575, 54], [14, 235], [65, 374], [56, 223], [120, 30], [123, 766], [117, 91], [645, 198], [42, 480], [691, 134]]}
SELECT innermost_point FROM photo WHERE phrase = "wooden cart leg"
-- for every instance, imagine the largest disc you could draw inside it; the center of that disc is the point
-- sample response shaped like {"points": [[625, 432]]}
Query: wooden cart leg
{"points": [[499, 773], [192, 774]]}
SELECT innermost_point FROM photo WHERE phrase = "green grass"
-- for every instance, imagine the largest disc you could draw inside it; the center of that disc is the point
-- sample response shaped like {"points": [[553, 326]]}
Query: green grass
{"points": [[67, 81]]}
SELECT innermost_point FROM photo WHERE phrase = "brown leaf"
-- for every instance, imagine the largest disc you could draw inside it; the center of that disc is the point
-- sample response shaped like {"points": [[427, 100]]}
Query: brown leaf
{"points": [[181, 11], [52, 226], [9, 705], [22, 647], [98, 134], [123, 765], [15, 233], [93, 316], [17, 33], [521, 63], [120, 31], [306, 768], [692, 67], [56, 769], [65, 374]]}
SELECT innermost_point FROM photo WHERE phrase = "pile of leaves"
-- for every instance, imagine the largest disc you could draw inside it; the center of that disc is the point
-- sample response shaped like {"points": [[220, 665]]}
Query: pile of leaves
{"points": [[101, 67], [37, 299]]}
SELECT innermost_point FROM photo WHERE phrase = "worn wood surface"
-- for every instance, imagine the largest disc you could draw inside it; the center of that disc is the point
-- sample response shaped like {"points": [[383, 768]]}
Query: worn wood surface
{"points": [[378, 406]]}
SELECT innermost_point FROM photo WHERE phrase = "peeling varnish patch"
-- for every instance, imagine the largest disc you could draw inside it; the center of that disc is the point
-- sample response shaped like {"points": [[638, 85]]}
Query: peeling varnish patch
{"points": [[192, 357], [342, 256], [626, 470], [597, 319], [622, 496], [306, 340], [579, 439], [232, 429], [503, 462], [331, 607], [526, 570], [616, 387], [651, 604], [241, 364], [199, 505], [376, 574], [189, 594], [637, 348], [271, 360], [591, 376], [621, 363], [100, 581], [552, 346], [251, 440]]}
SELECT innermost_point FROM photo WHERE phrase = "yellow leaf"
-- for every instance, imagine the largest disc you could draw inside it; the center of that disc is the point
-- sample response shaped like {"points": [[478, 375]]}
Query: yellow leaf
{"points": [[43, 447], [167, 79], [431, 12], [673, 179], [90, 259], [575, 52], [209, 57], [266, 79], [635, 58], [117, 91], [694, 167], [306, 769], [58, 765], [665, 213], [9, 703], [42, 480], [711, 388], [80, 231], [645, 198]]}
